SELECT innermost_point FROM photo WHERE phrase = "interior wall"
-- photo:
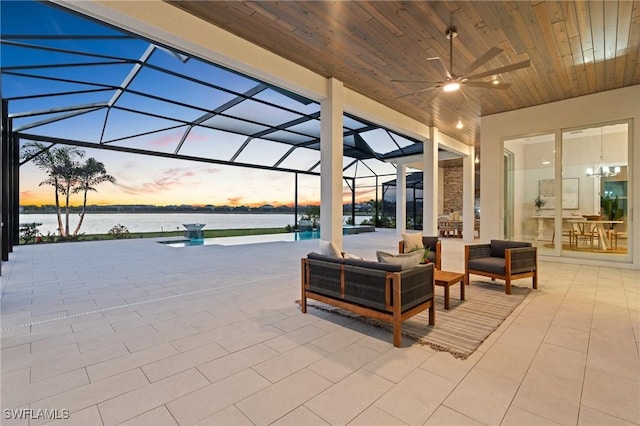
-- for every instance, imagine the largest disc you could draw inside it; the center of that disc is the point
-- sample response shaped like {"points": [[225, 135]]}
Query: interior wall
{"points": [[600, 108]]}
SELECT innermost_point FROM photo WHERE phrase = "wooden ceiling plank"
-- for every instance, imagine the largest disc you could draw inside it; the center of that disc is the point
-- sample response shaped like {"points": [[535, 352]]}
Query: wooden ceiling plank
{"points": [[596, 15], [549, 38], [371, 8], [625, 11], [632, 68]]}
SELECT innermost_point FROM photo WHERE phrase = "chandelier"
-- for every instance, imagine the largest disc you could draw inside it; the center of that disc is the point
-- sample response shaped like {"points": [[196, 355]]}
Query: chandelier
{"points": [[602, 170]]}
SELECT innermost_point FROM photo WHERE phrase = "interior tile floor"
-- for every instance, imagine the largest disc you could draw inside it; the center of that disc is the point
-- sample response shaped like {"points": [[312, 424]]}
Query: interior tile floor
{"points": [[137, 333]]}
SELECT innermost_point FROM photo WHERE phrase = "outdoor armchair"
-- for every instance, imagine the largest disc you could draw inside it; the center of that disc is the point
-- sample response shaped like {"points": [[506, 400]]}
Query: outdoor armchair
{"points": [[433, 244], [506, 260]]}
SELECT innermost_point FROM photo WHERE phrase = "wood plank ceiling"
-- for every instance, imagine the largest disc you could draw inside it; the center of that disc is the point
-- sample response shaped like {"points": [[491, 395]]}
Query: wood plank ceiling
{"points": [[575, 48]]}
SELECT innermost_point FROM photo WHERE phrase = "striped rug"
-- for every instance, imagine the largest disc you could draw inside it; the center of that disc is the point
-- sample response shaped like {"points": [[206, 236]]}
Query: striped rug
{"points": [[462, 328]]}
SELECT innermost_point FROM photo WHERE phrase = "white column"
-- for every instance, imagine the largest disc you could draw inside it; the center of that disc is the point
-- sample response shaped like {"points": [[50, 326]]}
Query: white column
{"points": [[468, 195], [430, 184], [401, 199], [331, 112]]}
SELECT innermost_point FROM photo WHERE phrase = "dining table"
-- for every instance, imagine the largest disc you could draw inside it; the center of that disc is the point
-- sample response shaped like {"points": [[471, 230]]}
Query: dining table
{"points": [[581, 226]]}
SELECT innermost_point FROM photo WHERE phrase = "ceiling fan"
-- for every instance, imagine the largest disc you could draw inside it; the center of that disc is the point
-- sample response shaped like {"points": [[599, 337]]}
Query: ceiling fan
{"points": [[453, 82]]}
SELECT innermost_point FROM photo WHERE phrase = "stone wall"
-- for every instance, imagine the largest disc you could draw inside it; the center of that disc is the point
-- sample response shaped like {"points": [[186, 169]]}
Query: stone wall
{"points": [[453, 185]]}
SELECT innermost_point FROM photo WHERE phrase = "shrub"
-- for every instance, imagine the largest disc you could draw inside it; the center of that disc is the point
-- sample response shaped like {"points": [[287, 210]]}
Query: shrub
{"points": [[119, 232], [29, 232]]}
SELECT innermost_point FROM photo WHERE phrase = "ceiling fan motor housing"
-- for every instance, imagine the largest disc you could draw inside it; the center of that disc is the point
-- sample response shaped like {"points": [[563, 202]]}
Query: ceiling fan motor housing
{"points": [[452, 32]]}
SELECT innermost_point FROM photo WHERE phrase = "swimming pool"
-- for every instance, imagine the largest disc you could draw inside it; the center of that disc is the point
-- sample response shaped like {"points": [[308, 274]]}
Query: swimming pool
{"points": [[244, 239]]}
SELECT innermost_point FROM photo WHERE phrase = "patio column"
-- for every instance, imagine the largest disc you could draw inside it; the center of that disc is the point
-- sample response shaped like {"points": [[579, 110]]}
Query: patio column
{"points": [[430, 184], [468, 195], [331, 153], [401, 199]]}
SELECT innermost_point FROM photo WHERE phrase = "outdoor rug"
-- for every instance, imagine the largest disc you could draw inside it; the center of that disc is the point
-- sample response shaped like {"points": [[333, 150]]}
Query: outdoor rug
{"points": [[462, 328]]}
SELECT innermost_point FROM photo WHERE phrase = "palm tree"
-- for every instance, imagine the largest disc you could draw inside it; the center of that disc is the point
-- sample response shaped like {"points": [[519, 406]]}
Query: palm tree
{"points": [[91, 174], [67, 175], [61, 167]]}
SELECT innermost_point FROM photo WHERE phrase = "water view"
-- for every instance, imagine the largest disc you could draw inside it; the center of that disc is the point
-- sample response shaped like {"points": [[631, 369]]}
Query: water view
{"points": [[168, 223]]}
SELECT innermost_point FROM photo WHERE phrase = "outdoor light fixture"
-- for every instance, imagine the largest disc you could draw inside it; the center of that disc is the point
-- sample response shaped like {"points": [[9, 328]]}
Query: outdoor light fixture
{"points": [[602, 170], [451, 86]]}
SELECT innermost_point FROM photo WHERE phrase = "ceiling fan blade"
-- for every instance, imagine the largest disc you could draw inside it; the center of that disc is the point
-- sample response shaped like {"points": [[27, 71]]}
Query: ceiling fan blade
{"points": [[489, 54], [417, 92], [486, 85], [444, 67], [508, 68], [417, 81]]}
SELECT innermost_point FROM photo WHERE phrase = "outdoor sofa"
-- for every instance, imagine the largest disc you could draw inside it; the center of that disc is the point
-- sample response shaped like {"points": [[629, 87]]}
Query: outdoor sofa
{"points": [[378, 290]]}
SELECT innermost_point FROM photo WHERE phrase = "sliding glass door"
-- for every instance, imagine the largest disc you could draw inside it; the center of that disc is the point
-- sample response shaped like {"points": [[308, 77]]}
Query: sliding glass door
{"points": [[596, 191], [530, 204]]}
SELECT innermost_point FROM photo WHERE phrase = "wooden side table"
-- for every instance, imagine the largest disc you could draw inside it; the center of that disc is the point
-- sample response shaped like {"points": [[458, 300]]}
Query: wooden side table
{"points": [[446, 279]]}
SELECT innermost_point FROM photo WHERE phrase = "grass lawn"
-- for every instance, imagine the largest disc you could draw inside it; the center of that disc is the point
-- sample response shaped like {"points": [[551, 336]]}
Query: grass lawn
{"points": [[208, 233]]}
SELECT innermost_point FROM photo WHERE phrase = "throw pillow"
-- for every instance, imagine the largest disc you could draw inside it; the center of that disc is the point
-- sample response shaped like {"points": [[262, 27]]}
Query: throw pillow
{"points": [[328, 248], [412, 241], [405, 260], [352, 256]]}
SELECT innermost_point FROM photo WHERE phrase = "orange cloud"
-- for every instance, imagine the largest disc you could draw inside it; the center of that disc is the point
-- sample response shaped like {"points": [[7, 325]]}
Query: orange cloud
{"points": [[234, 201]]}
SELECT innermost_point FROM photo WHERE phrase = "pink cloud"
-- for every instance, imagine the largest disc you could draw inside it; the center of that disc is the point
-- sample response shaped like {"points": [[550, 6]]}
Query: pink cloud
{"points": [[169, 179], [169, 139]]}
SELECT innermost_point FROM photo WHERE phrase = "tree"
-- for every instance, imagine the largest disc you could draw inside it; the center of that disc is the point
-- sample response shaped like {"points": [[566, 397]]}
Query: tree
{"points": [[90, 175], [61, 166], [67, 175]]}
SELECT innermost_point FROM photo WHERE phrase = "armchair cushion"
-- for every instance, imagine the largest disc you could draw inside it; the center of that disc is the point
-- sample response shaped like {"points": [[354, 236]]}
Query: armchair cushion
{"points": [[412, 241], [494, 265], [498, 246]]}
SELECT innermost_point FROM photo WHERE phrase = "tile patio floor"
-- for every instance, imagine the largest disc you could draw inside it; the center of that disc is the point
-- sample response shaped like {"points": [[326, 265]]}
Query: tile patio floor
{"points": [[137, 333]]}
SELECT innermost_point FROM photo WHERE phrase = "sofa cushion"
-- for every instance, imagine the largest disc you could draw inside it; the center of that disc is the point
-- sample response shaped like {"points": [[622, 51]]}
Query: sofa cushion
{"points": [[493, 265], [412, 241], [498, 246], [328, 248], [430, 243], [387, 267], [405, 260], [318, 256]]}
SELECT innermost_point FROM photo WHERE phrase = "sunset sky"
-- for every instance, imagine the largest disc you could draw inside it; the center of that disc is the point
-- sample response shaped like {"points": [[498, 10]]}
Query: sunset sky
{"points": [[161, 181]]}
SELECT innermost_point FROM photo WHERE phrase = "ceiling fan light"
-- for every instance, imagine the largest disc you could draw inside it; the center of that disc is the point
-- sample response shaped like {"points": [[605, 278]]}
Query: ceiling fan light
{"points": [[451, 87]]}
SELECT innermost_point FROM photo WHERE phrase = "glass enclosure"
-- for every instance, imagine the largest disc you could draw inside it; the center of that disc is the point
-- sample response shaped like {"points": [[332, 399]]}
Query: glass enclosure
{"points": [[568, 192]]}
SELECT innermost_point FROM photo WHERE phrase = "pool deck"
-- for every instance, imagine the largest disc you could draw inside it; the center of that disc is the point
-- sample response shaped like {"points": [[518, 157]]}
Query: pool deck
{"points": [[137, 333]]}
